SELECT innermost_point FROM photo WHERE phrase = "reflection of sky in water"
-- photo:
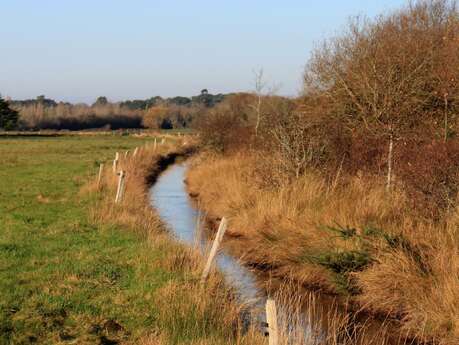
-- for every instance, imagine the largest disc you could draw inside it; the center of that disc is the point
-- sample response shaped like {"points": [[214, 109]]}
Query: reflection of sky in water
{"points": [[171, 200]]}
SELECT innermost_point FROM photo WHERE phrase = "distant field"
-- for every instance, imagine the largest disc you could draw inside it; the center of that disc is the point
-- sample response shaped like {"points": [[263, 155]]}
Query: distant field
{"points": [[62, 278]]}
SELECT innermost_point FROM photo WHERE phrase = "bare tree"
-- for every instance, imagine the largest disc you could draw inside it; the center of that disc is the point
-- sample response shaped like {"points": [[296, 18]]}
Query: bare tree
{"points": [[297, 134], [294, 147], [260, 85]]}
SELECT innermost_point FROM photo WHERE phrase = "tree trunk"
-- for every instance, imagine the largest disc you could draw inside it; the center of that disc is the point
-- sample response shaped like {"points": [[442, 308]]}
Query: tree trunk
{"points": [[259, 86], [258, 110], [389, 162], [445, 98]]}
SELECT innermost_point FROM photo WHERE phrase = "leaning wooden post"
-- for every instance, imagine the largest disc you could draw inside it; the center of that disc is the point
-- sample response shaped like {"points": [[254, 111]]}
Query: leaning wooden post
{"points": [[99, 178], [126, 154], [115, 162], [135, 152], [271, 320], [213, 251], [120, 189]]}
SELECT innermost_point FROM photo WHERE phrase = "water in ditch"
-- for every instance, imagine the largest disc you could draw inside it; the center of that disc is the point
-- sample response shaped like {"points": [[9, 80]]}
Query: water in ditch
{"points": [[170, 198]]}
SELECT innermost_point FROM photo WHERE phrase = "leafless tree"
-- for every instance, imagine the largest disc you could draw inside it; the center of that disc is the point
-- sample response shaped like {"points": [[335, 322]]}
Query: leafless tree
{"points": [[260, 85]]}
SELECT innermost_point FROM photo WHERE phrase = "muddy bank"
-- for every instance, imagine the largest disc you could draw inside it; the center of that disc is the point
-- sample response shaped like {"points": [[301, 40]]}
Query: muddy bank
{"points": [[165, 161]]}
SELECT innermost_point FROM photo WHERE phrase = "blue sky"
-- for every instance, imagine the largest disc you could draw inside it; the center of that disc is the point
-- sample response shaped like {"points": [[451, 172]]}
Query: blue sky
{"points": [[77, 50]]}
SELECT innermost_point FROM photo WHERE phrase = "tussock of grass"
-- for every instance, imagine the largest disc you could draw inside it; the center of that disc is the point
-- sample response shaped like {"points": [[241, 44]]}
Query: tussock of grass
{"points": [[306, 318], [349, 238]]}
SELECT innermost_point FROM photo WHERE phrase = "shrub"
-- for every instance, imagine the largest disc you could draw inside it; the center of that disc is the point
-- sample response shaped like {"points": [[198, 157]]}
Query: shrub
{"points": [[387, 80], [226, 127], [428, 172]]}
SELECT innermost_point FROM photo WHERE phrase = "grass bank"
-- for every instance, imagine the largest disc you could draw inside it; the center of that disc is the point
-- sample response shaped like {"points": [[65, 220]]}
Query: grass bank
{"points": [[346, 238], [76, 269]]}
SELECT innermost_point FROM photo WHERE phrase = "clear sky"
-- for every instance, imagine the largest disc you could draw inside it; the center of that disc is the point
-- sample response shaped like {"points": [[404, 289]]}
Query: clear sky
{"points": [[76, 50]]}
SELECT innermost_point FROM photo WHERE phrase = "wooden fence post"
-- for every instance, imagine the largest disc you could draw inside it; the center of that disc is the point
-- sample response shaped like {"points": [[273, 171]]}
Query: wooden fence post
{"points": [[213, 251], [135, 152], [115, 162], [271, 320], [163, 141], [154, 145], [126, 154], [99, 178], [120, 189]]}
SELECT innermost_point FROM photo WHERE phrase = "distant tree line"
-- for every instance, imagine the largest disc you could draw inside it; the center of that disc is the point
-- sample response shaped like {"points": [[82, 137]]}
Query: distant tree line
{"points": [[30, 102], [204, 98], [155, 112]]}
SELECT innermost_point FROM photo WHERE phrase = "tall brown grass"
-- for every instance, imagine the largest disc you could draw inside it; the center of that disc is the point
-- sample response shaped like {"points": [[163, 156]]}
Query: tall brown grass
{"points": [[308, 319], [350, 238]]}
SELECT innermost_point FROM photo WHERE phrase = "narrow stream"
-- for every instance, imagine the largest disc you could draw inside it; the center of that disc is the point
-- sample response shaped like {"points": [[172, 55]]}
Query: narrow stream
{"points": [[170, 198]]}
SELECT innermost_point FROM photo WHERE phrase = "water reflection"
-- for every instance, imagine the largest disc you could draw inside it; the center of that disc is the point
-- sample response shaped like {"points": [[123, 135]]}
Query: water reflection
{"points": [[171, 200]]}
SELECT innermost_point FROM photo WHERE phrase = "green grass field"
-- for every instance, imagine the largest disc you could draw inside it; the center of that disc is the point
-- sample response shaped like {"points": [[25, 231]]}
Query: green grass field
{"points": [[63, 279]]}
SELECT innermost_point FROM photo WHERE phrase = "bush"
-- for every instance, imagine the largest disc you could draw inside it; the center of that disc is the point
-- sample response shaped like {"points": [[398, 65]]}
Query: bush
{"points": [[378, 76], [429, 174], [226, 127]]}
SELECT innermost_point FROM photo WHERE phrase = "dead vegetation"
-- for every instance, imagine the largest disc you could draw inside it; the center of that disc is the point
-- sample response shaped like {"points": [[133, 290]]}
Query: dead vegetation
{"points": [[353, 240], [352, 188]]}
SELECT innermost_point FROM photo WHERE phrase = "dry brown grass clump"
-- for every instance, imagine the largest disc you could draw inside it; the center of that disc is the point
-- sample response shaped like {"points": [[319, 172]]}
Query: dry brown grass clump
{"points": [[307, 318], [350, 238]]}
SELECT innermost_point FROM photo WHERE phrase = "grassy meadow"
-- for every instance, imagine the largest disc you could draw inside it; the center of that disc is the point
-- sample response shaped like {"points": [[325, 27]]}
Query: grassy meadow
{"points": [[62, 277], [68, 277]]}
